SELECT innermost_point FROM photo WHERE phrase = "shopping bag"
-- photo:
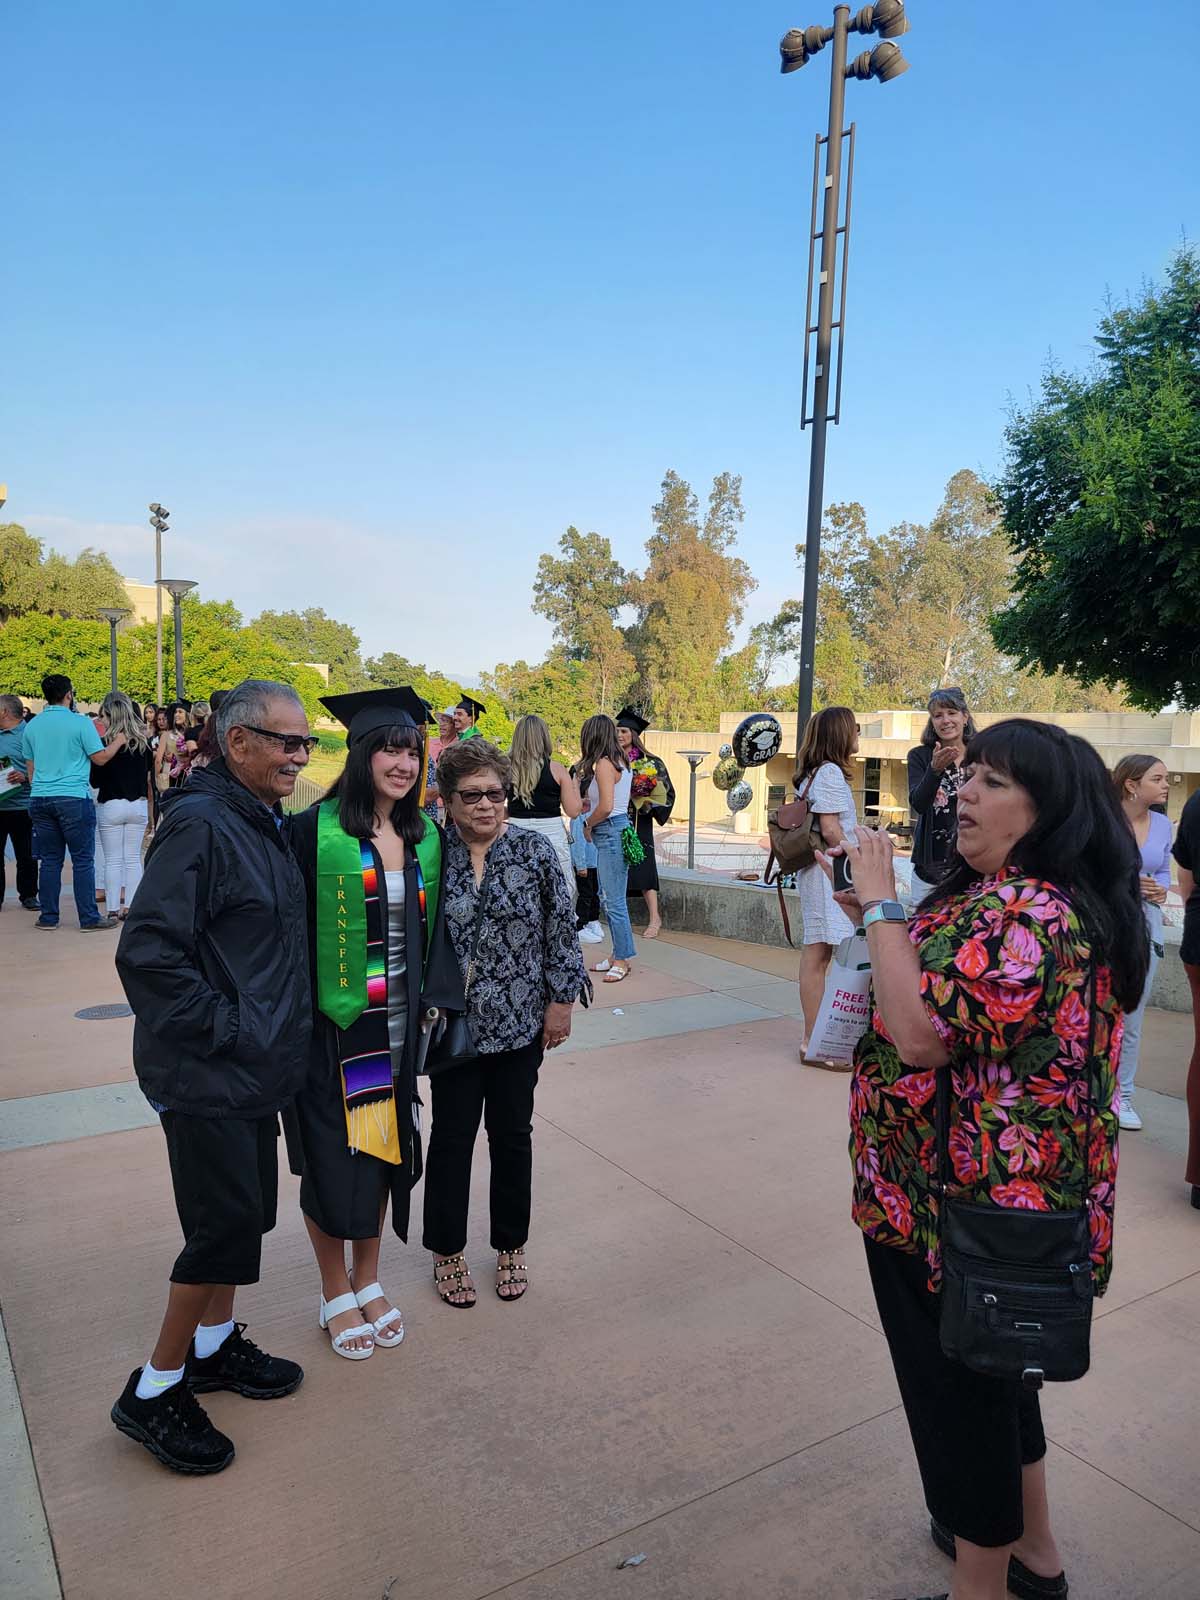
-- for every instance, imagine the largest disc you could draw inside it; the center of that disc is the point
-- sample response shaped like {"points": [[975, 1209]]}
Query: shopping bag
{"points": [[846, 1004]]}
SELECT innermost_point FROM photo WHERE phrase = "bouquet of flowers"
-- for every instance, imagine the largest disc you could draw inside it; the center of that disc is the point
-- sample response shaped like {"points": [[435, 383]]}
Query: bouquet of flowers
{"points": [[648, 787]]}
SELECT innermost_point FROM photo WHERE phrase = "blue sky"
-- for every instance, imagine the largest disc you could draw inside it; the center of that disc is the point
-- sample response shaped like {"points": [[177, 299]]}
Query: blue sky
{"points": [[377, 298]]}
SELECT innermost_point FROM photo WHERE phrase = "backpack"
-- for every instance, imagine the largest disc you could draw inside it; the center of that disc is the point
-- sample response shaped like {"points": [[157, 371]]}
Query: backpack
{"points": [[795, 839]]}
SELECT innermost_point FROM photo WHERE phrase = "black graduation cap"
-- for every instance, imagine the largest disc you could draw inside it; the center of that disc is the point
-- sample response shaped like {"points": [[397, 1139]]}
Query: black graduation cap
{"points": [[473, 708], [368, 710], [629, 718]]}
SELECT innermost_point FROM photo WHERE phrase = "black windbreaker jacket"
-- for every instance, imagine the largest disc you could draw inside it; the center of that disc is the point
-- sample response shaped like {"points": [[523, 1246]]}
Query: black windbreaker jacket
{"points": [[213, 956]]}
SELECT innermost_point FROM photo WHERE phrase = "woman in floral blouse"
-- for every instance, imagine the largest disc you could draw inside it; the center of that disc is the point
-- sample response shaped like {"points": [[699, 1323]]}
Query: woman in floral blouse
{"points": [[1037, 921], [528, 973]]}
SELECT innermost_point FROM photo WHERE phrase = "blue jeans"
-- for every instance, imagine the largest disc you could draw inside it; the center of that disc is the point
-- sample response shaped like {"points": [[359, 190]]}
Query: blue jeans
{"points": [[613, 872], [61, 824]]}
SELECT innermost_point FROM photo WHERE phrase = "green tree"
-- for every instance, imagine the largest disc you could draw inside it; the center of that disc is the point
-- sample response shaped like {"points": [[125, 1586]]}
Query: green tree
{"points": [[310, 635], [20, 571], [689, 601], [1101, 498], [32, 581], [389, 669], [35, 643], [559, 689], [581, 591]]}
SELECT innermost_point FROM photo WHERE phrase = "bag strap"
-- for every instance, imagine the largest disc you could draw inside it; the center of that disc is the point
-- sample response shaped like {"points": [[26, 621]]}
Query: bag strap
{"points": [[942, 1103], [485, 889]]}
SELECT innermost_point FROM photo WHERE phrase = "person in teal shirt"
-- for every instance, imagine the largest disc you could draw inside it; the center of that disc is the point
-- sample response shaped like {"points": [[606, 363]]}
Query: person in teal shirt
{"points": [[60, 749], [14, 803]]}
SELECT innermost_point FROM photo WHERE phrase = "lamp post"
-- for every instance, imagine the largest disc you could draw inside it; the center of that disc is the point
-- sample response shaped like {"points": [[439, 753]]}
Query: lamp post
{"points": [[885, 62], [177, 587], [694, 758], [158, 521], [112, 615]]}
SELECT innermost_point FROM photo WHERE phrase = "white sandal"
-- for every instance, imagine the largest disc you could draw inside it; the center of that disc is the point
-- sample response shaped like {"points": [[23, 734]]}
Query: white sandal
{"points": [[334, 1308], [381, 1325]]}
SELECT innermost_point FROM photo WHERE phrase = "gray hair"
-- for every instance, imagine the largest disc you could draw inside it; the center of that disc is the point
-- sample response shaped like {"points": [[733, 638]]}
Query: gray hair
{"points": [[246, 705], [12, 704]]}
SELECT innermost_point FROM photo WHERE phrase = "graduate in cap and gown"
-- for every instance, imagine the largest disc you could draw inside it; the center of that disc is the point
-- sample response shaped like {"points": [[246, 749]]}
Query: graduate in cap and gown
{"points": [[466, 714], [379, 958], [652, 800]]}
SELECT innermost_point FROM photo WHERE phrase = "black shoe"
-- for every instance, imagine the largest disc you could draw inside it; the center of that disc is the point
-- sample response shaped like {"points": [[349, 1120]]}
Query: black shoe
{"points": [[1022, 1582], [174, 1427], [1196, 1195], [241, 1366], [32, 904]]}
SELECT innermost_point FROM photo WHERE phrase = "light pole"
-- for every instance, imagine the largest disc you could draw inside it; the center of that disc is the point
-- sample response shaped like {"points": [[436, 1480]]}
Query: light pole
{"points": [[158, 521], [885, 62], [694, 758], [112, 615], [177, 588]]}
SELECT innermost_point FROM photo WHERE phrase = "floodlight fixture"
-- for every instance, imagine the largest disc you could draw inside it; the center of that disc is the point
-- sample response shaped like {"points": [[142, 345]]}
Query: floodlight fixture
{"points": [[885, 17], [799, 45]]}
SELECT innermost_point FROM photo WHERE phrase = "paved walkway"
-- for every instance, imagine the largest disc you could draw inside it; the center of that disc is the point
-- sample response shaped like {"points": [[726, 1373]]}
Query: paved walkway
{"points": [[697, 1374]]}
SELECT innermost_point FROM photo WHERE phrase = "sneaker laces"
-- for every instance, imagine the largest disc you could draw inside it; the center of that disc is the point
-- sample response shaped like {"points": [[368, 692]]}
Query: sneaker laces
{"points": [[192, 1416], [242, 1349]]}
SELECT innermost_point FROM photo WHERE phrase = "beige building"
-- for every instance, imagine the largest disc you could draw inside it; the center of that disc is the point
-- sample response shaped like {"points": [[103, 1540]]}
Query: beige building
{"points": [[141, 603], [880, 783]]}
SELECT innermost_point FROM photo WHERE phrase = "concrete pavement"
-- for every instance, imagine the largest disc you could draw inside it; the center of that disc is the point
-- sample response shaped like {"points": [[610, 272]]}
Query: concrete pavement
{"points": [[696, 1374]]}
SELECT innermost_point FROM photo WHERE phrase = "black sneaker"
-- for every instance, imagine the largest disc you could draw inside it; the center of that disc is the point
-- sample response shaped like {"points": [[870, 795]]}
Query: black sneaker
{"points": [[174, 1427], [32, 904], [241, 1366]]}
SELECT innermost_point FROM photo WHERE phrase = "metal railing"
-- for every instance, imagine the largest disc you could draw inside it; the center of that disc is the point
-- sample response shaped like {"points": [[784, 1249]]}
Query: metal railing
{"points": [[305, 794]]}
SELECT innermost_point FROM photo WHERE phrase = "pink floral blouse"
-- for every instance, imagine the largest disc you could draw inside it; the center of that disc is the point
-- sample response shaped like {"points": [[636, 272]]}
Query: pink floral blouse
{"points": [[1004, 969]]}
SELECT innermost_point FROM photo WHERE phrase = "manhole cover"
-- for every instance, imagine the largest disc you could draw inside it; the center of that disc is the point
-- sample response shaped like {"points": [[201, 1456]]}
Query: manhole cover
{"points": [[103, 1013]]}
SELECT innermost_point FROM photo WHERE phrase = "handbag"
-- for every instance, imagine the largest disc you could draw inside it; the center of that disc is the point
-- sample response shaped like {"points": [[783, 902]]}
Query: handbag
{"points": [[453, 1044], [795, 839], [1016, 1285]]}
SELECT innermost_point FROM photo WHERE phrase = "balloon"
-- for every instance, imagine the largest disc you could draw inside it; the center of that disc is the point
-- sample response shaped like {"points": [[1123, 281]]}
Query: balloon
{"points": [[739, 797], [726, 774], [757, 739], [725, 752]]}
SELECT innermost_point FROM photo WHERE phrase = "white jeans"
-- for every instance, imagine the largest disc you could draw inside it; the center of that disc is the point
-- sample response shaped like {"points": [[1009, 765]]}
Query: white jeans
{"points": [[1132, 1045], [554, 829], [122, 826]]}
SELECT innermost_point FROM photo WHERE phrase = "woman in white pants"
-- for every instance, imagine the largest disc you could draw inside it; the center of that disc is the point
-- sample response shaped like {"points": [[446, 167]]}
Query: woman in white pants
{"points": [[543, 792], [123, 802]]}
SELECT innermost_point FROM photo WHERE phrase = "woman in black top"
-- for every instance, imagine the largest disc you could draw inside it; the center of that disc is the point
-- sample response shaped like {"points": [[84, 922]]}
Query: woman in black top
{"points": [[1187, 858], [643, 878], [935, 775], [541, 793], [124, 787]]}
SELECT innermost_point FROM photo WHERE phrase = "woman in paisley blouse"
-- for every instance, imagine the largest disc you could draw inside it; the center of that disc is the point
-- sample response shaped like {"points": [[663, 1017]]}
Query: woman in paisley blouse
{"points": [[1037, 920], [528, 973]]}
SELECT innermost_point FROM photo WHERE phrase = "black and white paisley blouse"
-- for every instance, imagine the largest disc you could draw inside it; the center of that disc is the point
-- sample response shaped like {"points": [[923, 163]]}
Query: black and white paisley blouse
{"points": [[528, 953]]}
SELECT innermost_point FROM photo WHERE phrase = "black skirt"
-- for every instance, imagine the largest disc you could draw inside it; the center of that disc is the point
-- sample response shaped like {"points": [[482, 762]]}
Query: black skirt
{"points": [[645, 875]]}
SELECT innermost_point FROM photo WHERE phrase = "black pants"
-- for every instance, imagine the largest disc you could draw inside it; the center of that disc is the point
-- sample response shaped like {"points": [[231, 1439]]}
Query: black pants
{"points": [[225, 1173], [972, 1434], [15, 825], [500, 1089], [587, 907]]}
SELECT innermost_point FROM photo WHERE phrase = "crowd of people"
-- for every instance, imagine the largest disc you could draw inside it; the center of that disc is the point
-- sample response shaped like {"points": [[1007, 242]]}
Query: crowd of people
{"points": [[427, 918]]}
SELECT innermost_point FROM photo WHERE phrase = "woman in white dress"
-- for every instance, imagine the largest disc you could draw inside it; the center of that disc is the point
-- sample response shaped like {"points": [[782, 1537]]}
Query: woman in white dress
{"points": [[822, 777]]}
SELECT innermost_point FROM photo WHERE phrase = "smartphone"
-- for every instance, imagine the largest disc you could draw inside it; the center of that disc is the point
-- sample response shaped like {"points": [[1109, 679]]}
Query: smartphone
{"points": [[843, 875]]}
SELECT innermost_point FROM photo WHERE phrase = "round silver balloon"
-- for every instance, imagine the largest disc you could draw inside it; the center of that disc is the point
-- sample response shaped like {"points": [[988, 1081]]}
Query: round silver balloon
{"points": [[739, 797], [757, 739], [726, 773], [725, 752]]}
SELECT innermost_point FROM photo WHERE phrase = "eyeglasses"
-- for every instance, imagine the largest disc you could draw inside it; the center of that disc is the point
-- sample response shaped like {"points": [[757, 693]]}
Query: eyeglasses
{"points": [[476, 797], [292, 743]]}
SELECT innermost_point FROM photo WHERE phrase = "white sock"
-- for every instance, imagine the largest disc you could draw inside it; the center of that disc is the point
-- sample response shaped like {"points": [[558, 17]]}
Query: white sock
{"points": [[210, 1338], [153, 1384]]}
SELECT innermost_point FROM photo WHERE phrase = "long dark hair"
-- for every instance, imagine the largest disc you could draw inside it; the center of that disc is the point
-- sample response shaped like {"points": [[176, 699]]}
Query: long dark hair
{"points": [[598, 741], [829, 736], [354, 789], [1080, 841]]}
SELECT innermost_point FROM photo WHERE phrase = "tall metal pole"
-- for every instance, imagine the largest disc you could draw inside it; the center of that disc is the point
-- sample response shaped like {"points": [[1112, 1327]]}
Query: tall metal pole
{"points": [[158, 609], [178, 599], [693, 759], [820, 418], [112, 653]]}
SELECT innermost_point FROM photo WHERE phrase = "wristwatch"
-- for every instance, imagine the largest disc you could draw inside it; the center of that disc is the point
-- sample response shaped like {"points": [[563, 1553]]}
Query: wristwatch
{"points": [[884, 911]]}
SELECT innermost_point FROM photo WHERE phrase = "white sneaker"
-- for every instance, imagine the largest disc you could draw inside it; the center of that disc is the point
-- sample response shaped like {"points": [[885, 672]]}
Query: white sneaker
{"points": [[1127, 1117], [593, 933]]}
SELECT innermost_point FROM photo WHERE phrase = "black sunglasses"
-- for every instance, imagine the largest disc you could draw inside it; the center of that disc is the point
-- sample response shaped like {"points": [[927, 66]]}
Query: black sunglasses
{"points": [[292, 743]]}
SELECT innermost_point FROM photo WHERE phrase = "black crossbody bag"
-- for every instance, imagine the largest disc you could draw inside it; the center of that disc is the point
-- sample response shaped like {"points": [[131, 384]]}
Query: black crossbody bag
{"points": [[453, 1044], [1016, 1285]]}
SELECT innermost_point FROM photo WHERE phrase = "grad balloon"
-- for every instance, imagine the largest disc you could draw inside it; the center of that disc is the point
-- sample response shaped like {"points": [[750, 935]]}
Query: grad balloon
{"points": [[739, 797], [726, 773], [757, 739]]}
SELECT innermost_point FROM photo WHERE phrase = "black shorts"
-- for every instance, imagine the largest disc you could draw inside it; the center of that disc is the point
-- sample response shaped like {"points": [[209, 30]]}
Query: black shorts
{"points": [[225, 1172], [972, 1434]]}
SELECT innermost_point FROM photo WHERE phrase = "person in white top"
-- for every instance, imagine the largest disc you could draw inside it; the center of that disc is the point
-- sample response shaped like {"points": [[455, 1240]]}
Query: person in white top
{"points": [[822, 778], [606, 782]]}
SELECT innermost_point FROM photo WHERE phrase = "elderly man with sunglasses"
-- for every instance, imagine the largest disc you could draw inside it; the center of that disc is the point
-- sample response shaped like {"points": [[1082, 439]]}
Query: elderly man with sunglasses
{"points": [[214, 961]]}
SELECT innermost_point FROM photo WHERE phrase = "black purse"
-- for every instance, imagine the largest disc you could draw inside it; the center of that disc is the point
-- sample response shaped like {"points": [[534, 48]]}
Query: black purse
{"points": [[1016, 1285], [453, 1044]]}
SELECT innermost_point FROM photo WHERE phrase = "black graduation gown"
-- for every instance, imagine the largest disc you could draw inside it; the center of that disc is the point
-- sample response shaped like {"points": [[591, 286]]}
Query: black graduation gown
{"points": [[645, 876], [340, 1190]]}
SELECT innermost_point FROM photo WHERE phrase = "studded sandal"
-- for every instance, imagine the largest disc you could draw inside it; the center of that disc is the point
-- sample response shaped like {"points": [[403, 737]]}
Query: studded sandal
{"points": [[511, 1273], [453, 1270]]}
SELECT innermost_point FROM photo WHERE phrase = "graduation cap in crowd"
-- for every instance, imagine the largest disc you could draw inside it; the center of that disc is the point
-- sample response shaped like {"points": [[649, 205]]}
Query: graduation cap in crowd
{"points": [[369, 710], [629, 718], [473, 708]]}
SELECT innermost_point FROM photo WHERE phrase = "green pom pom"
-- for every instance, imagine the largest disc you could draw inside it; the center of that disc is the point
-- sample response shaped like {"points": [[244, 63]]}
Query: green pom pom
{"points": [[632, 846]]}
